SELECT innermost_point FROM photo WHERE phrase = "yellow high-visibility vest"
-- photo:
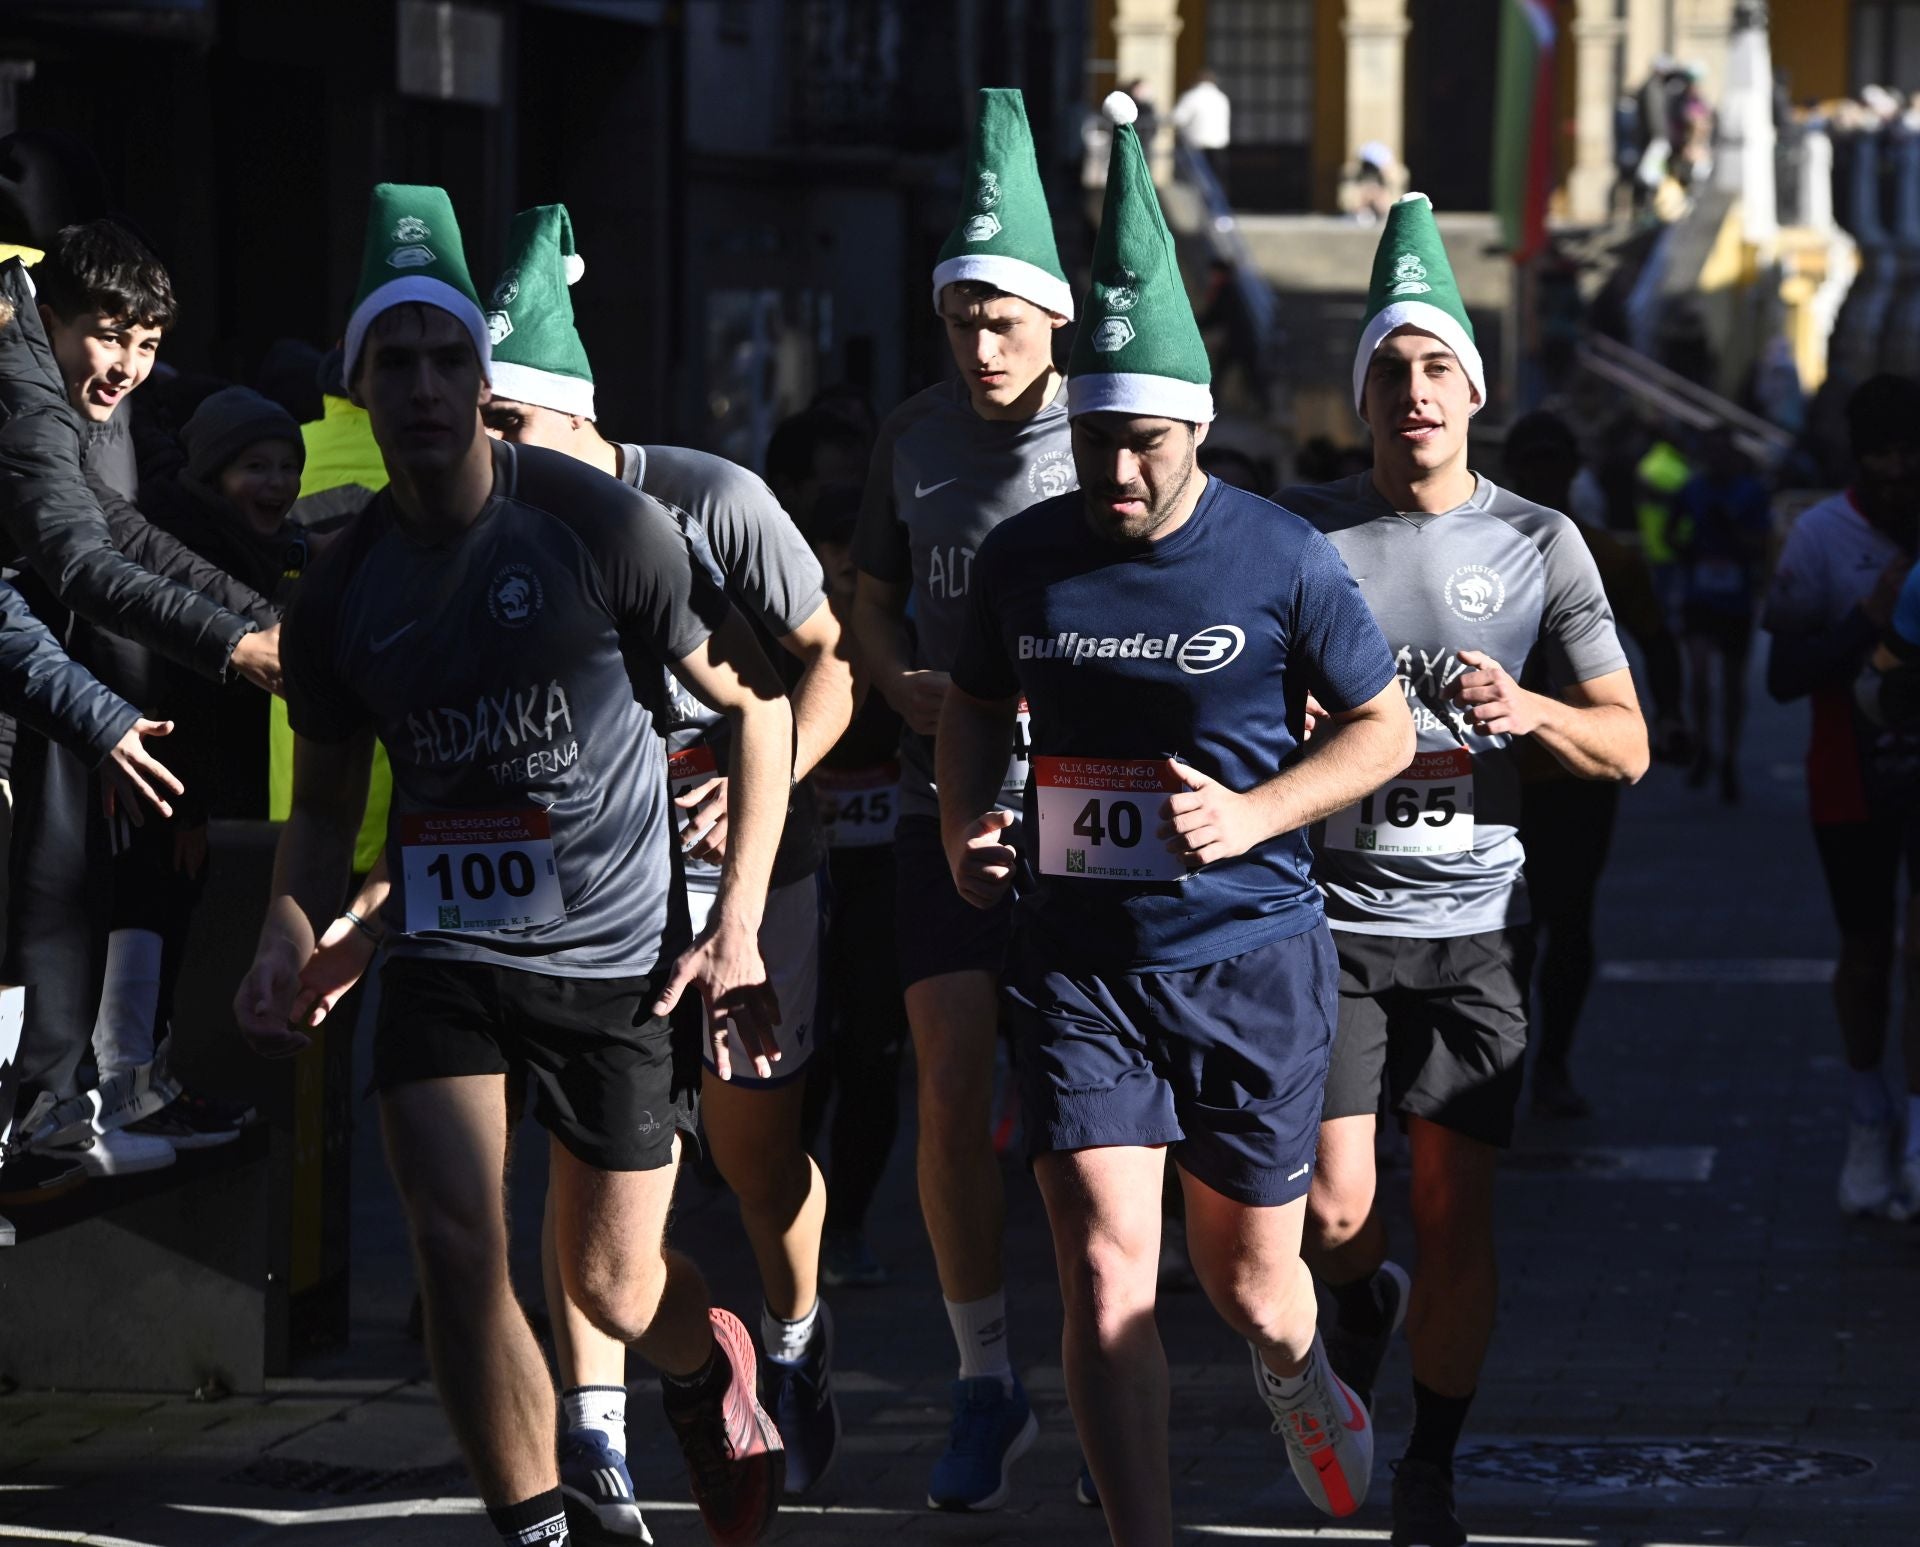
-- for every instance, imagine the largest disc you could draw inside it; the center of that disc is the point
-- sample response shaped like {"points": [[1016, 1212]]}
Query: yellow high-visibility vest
{"points": [[1661, 475]]}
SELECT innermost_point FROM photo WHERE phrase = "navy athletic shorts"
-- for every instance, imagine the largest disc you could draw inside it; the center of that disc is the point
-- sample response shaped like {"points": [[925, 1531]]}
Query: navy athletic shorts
{"points": [[938, 930], [1224, 1063]]}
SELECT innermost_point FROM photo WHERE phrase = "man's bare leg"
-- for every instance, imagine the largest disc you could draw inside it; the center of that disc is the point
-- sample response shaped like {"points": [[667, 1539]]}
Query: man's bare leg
{"points": [[754, 1132], [955, 1017]]}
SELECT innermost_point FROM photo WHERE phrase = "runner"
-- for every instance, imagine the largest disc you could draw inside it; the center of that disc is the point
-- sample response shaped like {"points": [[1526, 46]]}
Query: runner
{"points": [[951, 464], [1423, 877], [1833, 592], [1171, 982], [479, 617], [543, 396]]}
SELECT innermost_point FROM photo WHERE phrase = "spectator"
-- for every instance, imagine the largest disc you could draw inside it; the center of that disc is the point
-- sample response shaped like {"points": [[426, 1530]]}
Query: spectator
{"points": [[1371, 182], [1203, 116]]}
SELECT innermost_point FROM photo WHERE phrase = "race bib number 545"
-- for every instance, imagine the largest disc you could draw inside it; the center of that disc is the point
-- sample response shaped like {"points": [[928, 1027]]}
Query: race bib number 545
{"points": [[1427, 808], [1100, 818], [478, 871]]}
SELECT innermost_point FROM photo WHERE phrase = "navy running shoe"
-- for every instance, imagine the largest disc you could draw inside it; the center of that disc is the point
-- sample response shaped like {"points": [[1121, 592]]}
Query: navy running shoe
{"points": [[598, 1492], [800, 1398], [992, 1429]]}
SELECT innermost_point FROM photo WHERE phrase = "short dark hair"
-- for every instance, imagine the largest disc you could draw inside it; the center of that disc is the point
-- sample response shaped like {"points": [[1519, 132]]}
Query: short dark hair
{"points": [[101, 266], [797, 440], [1884, 411]]}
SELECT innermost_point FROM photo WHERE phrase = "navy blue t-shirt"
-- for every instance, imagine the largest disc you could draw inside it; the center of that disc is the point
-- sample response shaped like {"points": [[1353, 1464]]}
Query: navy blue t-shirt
{"points": [[1202, 646]]}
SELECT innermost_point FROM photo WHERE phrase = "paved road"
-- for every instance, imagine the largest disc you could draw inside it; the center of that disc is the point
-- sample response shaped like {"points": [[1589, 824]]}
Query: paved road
{"points": [[1694, 1348]]}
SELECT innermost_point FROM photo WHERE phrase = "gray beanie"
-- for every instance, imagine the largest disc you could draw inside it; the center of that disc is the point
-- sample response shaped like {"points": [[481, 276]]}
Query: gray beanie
{"points": [[228, 422]]}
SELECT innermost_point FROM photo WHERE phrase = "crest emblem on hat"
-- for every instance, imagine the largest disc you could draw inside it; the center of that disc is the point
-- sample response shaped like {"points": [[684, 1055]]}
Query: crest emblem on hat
{"points": [[508, 290], [1112, 336], [410, 228], [514, 596], [982, 228], [987, 193], [499, 325], [415, 256], [1125, 295], [1410, 275]]}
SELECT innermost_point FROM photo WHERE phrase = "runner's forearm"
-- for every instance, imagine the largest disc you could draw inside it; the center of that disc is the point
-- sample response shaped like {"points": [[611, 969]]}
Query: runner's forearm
{"points": [[1349, 757], [823, 698], [310, 868], [970, 758], [1595, 741], [757, 794], [881, 631]]}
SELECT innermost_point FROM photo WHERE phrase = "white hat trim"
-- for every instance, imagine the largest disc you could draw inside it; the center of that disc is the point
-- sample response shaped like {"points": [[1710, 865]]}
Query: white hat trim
{"points": [[543, 389], [1016, 276], [1428, 318], [1121, 392], [423, 288]]}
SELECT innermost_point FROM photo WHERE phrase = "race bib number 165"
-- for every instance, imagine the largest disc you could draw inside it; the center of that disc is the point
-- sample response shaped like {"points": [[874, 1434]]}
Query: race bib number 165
{"points": [[1427, 808], [1100, 818]]}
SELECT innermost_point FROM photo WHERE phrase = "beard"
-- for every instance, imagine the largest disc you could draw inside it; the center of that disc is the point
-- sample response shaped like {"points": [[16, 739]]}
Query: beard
{"points": [[1144, 525]]}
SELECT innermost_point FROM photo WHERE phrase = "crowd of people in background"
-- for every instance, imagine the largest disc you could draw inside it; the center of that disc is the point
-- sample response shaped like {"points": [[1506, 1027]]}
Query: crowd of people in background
{"points": [[697, 798]]}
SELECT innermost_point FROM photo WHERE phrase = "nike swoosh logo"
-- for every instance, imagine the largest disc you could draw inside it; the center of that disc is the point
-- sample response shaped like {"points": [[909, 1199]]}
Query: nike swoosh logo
{"points": [[1356, 1418], [922, 490], [394, 637]]}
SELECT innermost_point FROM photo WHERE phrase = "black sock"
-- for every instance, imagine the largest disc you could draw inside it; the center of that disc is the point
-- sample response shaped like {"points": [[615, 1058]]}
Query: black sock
{"points": [[1437, 1422], [1360, 1306], [707, 1384], [537, 1522]]}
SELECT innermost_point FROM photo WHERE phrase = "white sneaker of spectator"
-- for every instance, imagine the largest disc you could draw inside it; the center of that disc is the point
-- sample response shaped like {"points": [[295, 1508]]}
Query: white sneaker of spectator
{"points": [[70, 1130]]}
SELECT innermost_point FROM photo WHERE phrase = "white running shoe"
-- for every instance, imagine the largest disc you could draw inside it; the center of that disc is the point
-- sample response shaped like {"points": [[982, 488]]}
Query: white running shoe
{"points": [[1328, 1433], [1867, 1179], [117, 1153], [1904, 1205]]}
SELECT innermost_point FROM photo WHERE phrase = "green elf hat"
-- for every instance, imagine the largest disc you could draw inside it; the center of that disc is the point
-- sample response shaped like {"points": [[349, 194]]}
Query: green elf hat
{"points": [[1413, 286], [1004, 236], [537, 354], [413, 253], [1138, 350]]}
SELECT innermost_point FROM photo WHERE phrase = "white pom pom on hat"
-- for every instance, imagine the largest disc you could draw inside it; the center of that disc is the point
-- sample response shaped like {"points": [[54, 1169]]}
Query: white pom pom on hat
{"points": [[575, 266], [1120, 107]]}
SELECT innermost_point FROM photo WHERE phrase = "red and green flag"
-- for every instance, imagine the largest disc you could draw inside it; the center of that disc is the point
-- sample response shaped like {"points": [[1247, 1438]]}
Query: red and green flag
{"points": [[1523, 125]]}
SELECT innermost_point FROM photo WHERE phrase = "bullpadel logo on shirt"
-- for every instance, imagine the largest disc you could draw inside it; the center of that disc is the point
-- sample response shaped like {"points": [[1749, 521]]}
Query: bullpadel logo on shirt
{"points": [[1196, 655]]}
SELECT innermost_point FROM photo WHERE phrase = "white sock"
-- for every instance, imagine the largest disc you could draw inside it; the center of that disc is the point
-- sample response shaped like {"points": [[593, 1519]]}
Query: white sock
{"points": [[786, 1341], [600, 1409], [1283, 1388], [980, 1333], [1913, 1127], [129, 1001]]}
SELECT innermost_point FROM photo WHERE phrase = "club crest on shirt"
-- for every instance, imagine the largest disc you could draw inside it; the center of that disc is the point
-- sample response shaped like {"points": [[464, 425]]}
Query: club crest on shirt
{"points": [[1050, 474], [514, 596], [1475, 593]]}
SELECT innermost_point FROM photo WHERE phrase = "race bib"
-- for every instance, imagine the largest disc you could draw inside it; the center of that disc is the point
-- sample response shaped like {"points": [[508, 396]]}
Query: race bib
{"points": [[1100, 818], [1013, 788], [858, 806], [1425, 809], [689, 769], [479, 871]]}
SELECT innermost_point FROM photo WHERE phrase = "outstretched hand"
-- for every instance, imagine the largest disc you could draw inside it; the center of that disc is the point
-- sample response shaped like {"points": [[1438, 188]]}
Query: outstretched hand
{"points": [[725, 964], [131, 774]]}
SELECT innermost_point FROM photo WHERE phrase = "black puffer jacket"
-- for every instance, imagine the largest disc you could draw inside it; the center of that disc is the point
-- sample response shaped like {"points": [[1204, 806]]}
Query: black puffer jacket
{"points": [[48, 693], [54, 523]]}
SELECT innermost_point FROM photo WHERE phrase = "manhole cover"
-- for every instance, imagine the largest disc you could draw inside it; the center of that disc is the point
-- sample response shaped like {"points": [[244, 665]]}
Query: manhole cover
{"points": [[1658, 1464], [285, 1474]]}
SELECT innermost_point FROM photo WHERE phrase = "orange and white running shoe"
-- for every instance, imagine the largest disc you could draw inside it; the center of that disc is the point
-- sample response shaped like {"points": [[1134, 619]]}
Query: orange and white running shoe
{"points": [[1328, 1433]]}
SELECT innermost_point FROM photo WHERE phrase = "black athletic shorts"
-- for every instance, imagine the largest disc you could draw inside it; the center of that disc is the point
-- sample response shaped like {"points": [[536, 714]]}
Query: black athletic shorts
{"points": [[938, 930], [1862, 863], [1442, 1022], [611, 1081]]}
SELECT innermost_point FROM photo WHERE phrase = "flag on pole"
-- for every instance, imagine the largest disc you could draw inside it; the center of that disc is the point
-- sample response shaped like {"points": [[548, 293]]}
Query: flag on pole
{"points": [[1523, 125]]}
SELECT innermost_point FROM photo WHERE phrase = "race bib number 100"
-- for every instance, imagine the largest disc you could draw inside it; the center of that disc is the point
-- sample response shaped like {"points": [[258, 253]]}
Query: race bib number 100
{"points": [[1100, 818], [478, 871], [1427, 808]]}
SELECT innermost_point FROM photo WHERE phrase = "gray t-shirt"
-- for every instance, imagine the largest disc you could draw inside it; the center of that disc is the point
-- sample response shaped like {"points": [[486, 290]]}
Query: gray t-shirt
{"points": [[941, 479], [507, 672], [739, 531], [1436, 851]]}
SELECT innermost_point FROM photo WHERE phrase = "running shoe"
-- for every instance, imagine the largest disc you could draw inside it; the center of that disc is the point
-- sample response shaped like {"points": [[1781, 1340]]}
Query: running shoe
{"points": [[992, 1429], [1867, 1179], [191, 1122], [598, 1491], [734, 1459], [1085, 1491], [1904, 1206], [27, 1178], [800, 1396], [1329, 1436], [1423, 1507], [1356, 1357], [847, 1262]]}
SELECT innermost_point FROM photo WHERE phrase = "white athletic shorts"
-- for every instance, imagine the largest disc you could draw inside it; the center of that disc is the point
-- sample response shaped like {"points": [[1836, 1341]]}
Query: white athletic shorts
{"points": [[790, 946]]}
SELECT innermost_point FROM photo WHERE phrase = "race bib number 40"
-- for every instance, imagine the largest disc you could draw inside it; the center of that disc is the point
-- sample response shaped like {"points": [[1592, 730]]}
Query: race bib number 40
{"points": [[1425, 809], [1013, 788], [479, 871], [1100, 818], [858, 806]]}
